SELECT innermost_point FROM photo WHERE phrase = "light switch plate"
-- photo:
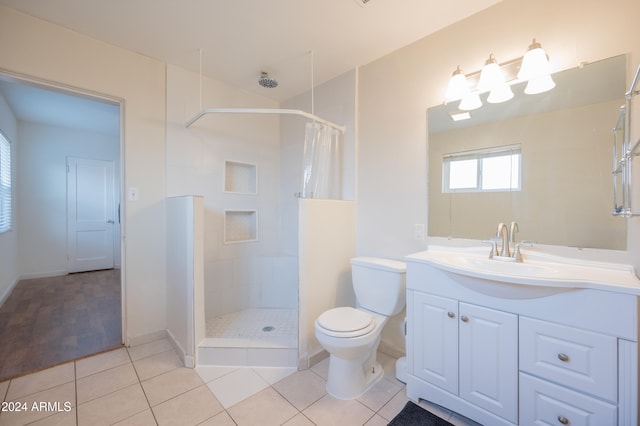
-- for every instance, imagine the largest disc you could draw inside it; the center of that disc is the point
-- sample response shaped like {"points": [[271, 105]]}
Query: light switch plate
{"points": [[133, 194]]}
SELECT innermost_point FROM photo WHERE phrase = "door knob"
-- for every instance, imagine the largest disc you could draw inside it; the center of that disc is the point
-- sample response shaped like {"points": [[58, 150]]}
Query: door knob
{"points": [[110, 221]]}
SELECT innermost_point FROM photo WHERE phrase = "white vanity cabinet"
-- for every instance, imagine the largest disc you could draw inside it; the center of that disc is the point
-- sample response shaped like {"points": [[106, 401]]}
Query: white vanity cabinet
{"points": [[503, 355], [471, 347], [468, 350]]}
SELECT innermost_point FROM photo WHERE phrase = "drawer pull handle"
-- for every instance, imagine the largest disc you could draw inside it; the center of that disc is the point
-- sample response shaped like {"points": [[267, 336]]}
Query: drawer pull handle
{"points": [[563, 358], [464, 318], [451, 314], [563, 420]]}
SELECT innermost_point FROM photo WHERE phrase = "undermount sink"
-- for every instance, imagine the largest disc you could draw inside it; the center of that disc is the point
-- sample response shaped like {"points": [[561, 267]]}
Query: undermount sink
{"points": [[537, 269]]}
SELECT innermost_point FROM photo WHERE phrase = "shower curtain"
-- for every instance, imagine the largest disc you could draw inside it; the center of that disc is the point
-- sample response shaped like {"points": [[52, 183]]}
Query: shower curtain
{"points": [[322, 162]]}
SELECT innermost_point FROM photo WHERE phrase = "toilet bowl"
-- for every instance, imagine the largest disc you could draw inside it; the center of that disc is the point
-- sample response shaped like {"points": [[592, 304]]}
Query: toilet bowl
{"points": [[352, 335]]}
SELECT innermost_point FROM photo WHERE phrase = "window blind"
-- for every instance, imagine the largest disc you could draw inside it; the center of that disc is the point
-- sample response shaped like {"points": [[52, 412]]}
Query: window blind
{"points": [[5, 184]]}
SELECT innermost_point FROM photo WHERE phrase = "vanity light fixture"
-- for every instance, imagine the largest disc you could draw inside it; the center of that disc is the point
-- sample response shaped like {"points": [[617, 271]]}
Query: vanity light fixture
{"points": [[534, 63], [492, 80], [497, 79], [470, 101], [500, 94], [491, 75], [536, 70], [458, 85], [540, 84]]}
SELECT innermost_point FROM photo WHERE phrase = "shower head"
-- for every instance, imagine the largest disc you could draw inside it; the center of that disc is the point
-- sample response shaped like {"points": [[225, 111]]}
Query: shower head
{"points": [[266, 81]]}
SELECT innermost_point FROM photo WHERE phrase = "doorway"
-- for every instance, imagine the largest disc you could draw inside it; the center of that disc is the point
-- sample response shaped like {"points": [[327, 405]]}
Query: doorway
{"points": [[69, 153], [91, 214]]}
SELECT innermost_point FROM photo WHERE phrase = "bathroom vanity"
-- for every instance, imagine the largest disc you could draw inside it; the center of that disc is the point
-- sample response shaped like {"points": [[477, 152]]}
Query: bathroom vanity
{"points": [[545, 341]]}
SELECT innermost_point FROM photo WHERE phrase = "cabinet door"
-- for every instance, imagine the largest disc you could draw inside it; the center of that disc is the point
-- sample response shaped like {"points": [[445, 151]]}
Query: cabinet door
{"points": [[489, 360], [435, 340]]}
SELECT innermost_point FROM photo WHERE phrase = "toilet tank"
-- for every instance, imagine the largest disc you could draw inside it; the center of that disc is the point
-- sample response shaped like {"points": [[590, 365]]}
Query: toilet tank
{"points": [[379, 284]]}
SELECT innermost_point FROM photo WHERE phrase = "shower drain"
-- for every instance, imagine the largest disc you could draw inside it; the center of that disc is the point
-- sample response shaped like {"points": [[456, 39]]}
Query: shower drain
{"points": [[268, 328]]}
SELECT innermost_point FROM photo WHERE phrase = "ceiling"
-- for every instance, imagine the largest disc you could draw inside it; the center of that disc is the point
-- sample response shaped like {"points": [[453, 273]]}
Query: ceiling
{"points": [[37, 104], [234, 40]]}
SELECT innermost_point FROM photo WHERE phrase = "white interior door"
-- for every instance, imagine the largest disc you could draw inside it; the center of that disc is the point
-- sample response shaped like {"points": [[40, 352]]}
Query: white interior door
{"points": [[90, 214]]}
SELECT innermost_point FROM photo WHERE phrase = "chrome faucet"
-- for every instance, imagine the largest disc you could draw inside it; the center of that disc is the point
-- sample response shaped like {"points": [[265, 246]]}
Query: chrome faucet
{"points": [[503, 234], [501, 244], [512, 234]]}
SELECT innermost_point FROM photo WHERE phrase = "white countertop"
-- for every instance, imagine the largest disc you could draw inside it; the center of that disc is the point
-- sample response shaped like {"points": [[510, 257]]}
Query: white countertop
{"points": [[537, 269]]}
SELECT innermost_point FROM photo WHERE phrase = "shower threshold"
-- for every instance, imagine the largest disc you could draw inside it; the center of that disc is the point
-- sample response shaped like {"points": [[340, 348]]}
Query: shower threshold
{"points": [[251, 337]]}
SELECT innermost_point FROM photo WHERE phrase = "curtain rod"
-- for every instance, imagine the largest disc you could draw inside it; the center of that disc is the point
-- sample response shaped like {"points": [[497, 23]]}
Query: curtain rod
{"points": [[262, 111]]}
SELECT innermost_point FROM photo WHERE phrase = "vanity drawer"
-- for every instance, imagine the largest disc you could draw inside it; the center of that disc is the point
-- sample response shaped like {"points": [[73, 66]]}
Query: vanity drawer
{"points": [[543, 403], [571, 357]]}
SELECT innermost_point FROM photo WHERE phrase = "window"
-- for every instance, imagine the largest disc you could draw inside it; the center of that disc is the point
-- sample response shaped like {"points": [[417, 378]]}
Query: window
{"points": [[5, 184], [494, 169]]}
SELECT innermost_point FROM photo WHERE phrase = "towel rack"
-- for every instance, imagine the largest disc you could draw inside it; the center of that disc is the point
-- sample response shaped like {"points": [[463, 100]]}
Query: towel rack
{"points": [[624, 153]]}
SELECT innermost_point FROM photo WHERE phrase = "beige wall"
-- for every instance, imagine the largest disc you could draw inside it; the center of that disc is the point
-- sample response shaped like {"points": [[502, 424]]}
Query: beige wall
{"points": [[396, 90], [46, 52]]}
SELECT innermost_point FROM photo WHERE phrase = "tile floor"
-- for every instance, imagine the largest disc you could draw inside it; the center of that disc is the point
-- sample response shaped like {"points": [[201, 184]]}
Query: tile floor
{"points": [[146, 385]]}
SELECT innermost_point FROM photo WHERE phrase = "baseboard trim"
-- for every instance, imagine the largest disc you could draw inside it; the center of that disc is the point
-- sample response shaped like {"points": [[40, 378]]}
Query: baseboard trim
{"points": [[391, 350], [34, 275], [8, 291], [187, 360], [317, 357], [147, 338]]}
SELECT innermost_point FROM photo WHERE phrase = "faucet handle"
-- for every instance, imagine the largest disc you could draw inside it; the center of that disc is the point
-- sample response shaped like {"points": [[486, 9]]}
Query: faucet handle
{"points": [[516, 252], [494, 246]]}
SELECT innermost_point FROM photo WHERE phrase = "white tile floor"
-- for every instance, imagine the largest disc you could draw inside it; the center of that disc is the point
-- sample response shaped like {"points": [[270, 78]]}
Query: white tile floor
{"points": [[146, 385]]}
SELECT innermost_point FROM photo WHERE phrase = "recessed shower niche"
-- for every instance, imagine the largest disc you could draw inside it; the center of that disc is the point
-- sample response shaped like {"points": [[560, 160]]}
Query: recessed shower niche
{"points": [[240, 226], [240, 178]]}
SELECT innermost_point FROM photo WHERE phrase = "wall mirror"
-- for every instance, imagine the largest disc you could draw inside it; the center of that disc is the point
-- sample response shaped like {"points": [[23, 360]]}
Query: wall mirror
{"points": [[564, 137]]}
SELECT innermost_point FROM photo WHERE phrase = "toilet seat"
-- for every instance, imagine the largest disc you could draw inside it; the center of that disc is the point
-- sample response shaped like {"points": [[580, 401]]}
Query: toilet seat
{"points": [[346, 322]]}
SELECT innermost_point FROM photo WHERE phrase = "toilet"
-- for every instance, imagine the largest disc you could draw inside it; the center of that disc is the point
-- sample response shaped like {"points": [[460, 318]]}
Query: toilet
{"points": [[352, 335]]}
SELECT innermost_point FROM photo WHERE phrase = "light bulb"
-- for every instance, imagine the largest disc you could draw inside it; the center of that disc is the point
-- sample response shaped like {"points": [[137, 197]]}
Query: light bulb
{"points": [[534, 63], [491, 75], [500, 94], [470, 102], [539, 85], [458, 86]]}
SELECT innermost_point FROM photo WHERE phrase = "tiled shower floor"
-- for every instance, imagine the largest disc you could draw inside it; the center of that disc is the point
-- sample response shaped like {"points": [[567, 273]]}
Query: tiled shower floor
{"points": [[270, 328]]}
